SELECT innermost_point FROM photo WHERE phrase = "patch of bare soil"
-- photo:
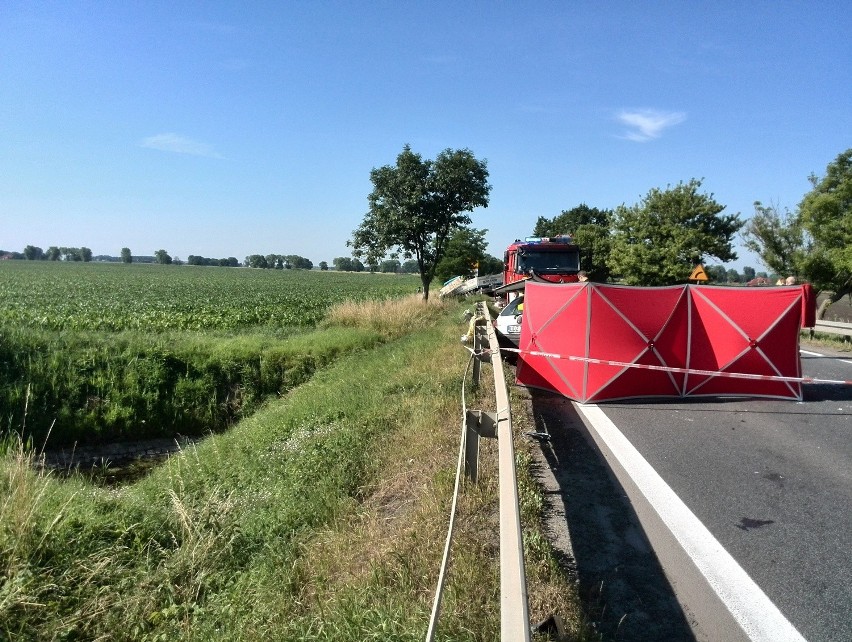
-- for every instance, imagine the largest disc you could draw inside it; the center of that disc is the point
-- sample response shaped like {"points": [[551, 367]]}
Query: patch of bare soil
{"points": [[596, 533]]}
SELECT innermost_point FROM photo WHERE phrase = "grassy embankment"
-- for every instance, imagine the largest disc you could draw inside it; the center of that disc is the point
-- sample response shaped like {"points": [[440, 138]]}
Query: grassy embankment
{"points": [[110, 352], [101, 386], [321, 517]]}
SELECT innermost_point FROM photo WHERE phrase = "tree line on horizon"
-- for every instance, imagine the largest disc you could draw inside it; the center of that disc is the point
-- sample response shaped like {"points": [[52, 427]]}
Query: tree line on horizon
{"points": [[84, 254], [466, 246]]}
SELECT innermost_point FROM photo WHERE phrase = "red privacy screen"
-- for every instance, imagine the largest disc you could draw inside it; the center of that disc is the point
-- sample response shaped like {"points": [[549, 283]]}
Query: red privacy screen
{"points": [[595, 342]]}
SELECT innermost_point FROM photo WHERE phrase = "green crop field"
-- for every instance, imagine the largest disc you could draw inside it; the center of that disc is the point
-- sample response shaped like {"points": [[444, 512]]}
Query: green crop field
{"points": [[155, 298], [103, 352]]}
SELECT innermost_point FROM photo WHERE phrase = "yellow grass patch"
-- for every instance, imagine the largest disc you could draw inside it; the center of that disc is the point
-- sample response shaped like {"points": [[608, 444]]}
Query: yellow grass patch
{"points": [[391, 318]]}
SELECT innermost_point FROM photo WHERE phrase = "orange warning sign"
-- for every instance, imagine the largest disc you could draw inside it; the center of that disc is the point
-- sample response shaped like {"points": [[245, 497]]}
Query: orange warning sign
{"points": [[698, 274]]}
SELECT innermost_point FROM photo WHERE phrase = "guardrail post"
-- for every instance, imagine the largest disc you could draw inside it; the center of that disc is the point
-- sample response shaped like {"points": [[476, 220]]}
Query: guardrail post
{"points": [[478, 339], [478, 424]]}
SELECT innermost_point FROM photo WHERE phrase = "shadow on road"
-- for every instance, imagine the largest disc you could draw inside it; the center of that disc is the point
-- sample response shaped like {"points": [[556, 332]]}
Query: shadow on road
{"points": [[622, 585], [826, 392]]}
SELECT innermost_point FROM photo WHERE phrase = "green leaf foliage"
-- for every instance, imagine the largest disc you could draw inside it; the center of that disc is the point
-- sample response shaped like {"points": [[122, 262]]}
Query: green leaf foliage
{"points": [[464, 251], [776, 237], [825, 213], [660, 240], [416, 203], [590, 227]]}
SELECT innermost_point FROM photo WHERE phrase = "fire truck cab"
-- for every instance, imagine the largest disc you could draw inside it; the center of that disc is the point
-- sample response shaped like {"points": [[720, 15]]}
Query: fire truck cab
{"points": [[554, 259]]}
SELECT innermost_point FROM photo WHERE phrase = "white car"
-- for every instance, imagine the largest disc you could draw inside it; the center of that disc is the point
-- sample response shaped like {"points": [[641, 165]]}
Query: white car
{"points": [[508, 322]]}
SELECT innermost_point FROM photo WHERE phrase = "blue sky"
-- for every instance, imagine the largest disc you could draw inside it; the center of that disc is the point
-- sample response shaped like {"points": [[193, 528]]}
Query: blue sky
{"points": [[227, 129]]}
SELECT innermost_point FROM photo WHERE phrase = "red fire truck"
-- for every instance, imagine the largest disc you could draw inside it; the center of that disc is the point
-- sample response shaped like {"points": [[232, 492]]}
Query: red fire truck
{"points": [[554, 259]]}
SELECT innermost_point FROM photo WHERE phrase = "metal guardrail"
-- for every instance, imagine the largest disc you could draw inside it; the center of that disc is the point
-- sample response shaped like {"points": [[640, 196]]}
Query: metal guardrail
{"points": [[514, 602], [832, 327]]}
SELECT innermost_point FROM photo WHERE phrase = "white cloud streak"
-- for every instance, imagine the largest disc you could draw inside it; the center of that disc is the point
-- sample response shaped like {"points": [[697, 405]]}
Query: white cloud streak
{"points": [[178, 144], [648, 124]]}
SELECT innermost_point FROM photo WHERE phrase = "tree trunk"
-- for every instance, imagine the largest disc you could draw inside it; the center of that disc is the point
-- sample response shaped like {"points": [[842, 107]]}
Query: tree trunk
{"points": [[425, 281]]}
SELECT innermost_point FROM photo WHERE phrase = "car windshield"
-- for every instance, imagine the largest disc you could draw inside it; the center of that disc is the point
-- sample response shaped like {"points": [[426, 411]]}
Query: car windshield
{"points": [[551, 261], [512, 308]]}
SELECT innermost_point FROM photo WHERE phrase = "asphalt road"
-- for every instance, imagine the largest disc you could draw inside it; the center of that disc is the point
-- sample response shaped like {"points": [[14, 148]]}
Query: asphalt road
{"points": [[772, 482]]}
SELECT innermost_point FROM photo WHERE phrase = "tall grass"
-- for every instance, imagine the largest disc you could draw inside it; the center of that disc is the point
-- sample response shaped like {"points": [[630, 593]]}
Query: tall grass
{"points": [[321, 517], [390, 318]]}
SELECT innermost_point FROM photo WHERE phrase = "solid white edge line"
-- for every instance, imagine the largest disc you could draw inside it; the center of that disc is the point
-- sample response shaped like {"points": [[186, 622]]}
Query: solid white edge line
{"points": [[817, 354], [751, 608]]}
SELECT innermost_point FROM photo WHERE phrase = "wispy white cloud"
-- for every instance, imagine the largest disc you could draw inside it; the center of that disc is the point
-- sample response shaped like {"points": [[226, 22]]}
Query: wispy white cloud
{"points": [[178, 144], [648, 124]]}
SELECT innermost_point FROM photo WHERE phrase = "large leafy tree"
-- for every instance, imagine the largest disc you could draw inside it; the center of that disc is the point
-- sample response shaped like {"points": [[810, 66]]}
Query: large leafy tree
{"points": [[299, 262], [776, 237], [660, 240], [127, 256], [343, 264], [717, 273], [590, 227], [815, 242], [390, 266], [33, 253], [416, 204], [825, 214]]}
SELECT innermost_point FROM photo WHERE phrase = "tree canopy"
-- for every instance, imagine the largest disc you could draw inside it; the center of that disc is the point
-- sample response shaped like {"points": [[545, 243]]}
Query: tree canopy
{"points": [[416, 203], [33, 253], [347, 264], [826, 216], [590, 227], [660, 240], [776, 237], [464, 252], [815, 242]]}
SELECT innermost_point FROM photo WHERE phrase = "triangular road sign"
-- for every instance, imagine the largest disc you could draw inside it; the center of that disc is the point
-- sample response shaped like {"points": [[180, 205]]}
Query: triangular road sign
{"points": [[698, 274]]}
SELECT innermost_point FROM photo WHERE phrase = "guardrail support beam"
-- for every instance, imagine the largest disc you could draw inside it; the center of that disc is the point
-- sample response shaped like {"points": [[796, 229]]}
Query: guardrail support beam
{"points": [[478, 424]]}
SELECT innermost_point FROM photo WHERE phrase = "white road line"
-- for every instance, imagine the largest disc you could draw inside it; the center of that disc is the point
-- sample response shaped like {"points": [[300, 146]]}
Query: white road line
{"points": [[817, 354], [751, 608]]}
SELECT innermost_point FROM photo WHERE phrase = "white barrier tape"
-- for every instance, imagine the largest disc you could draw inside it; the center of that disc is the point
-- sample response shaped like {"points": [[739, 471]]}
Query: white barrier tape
{"points": [[709, 373]]}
